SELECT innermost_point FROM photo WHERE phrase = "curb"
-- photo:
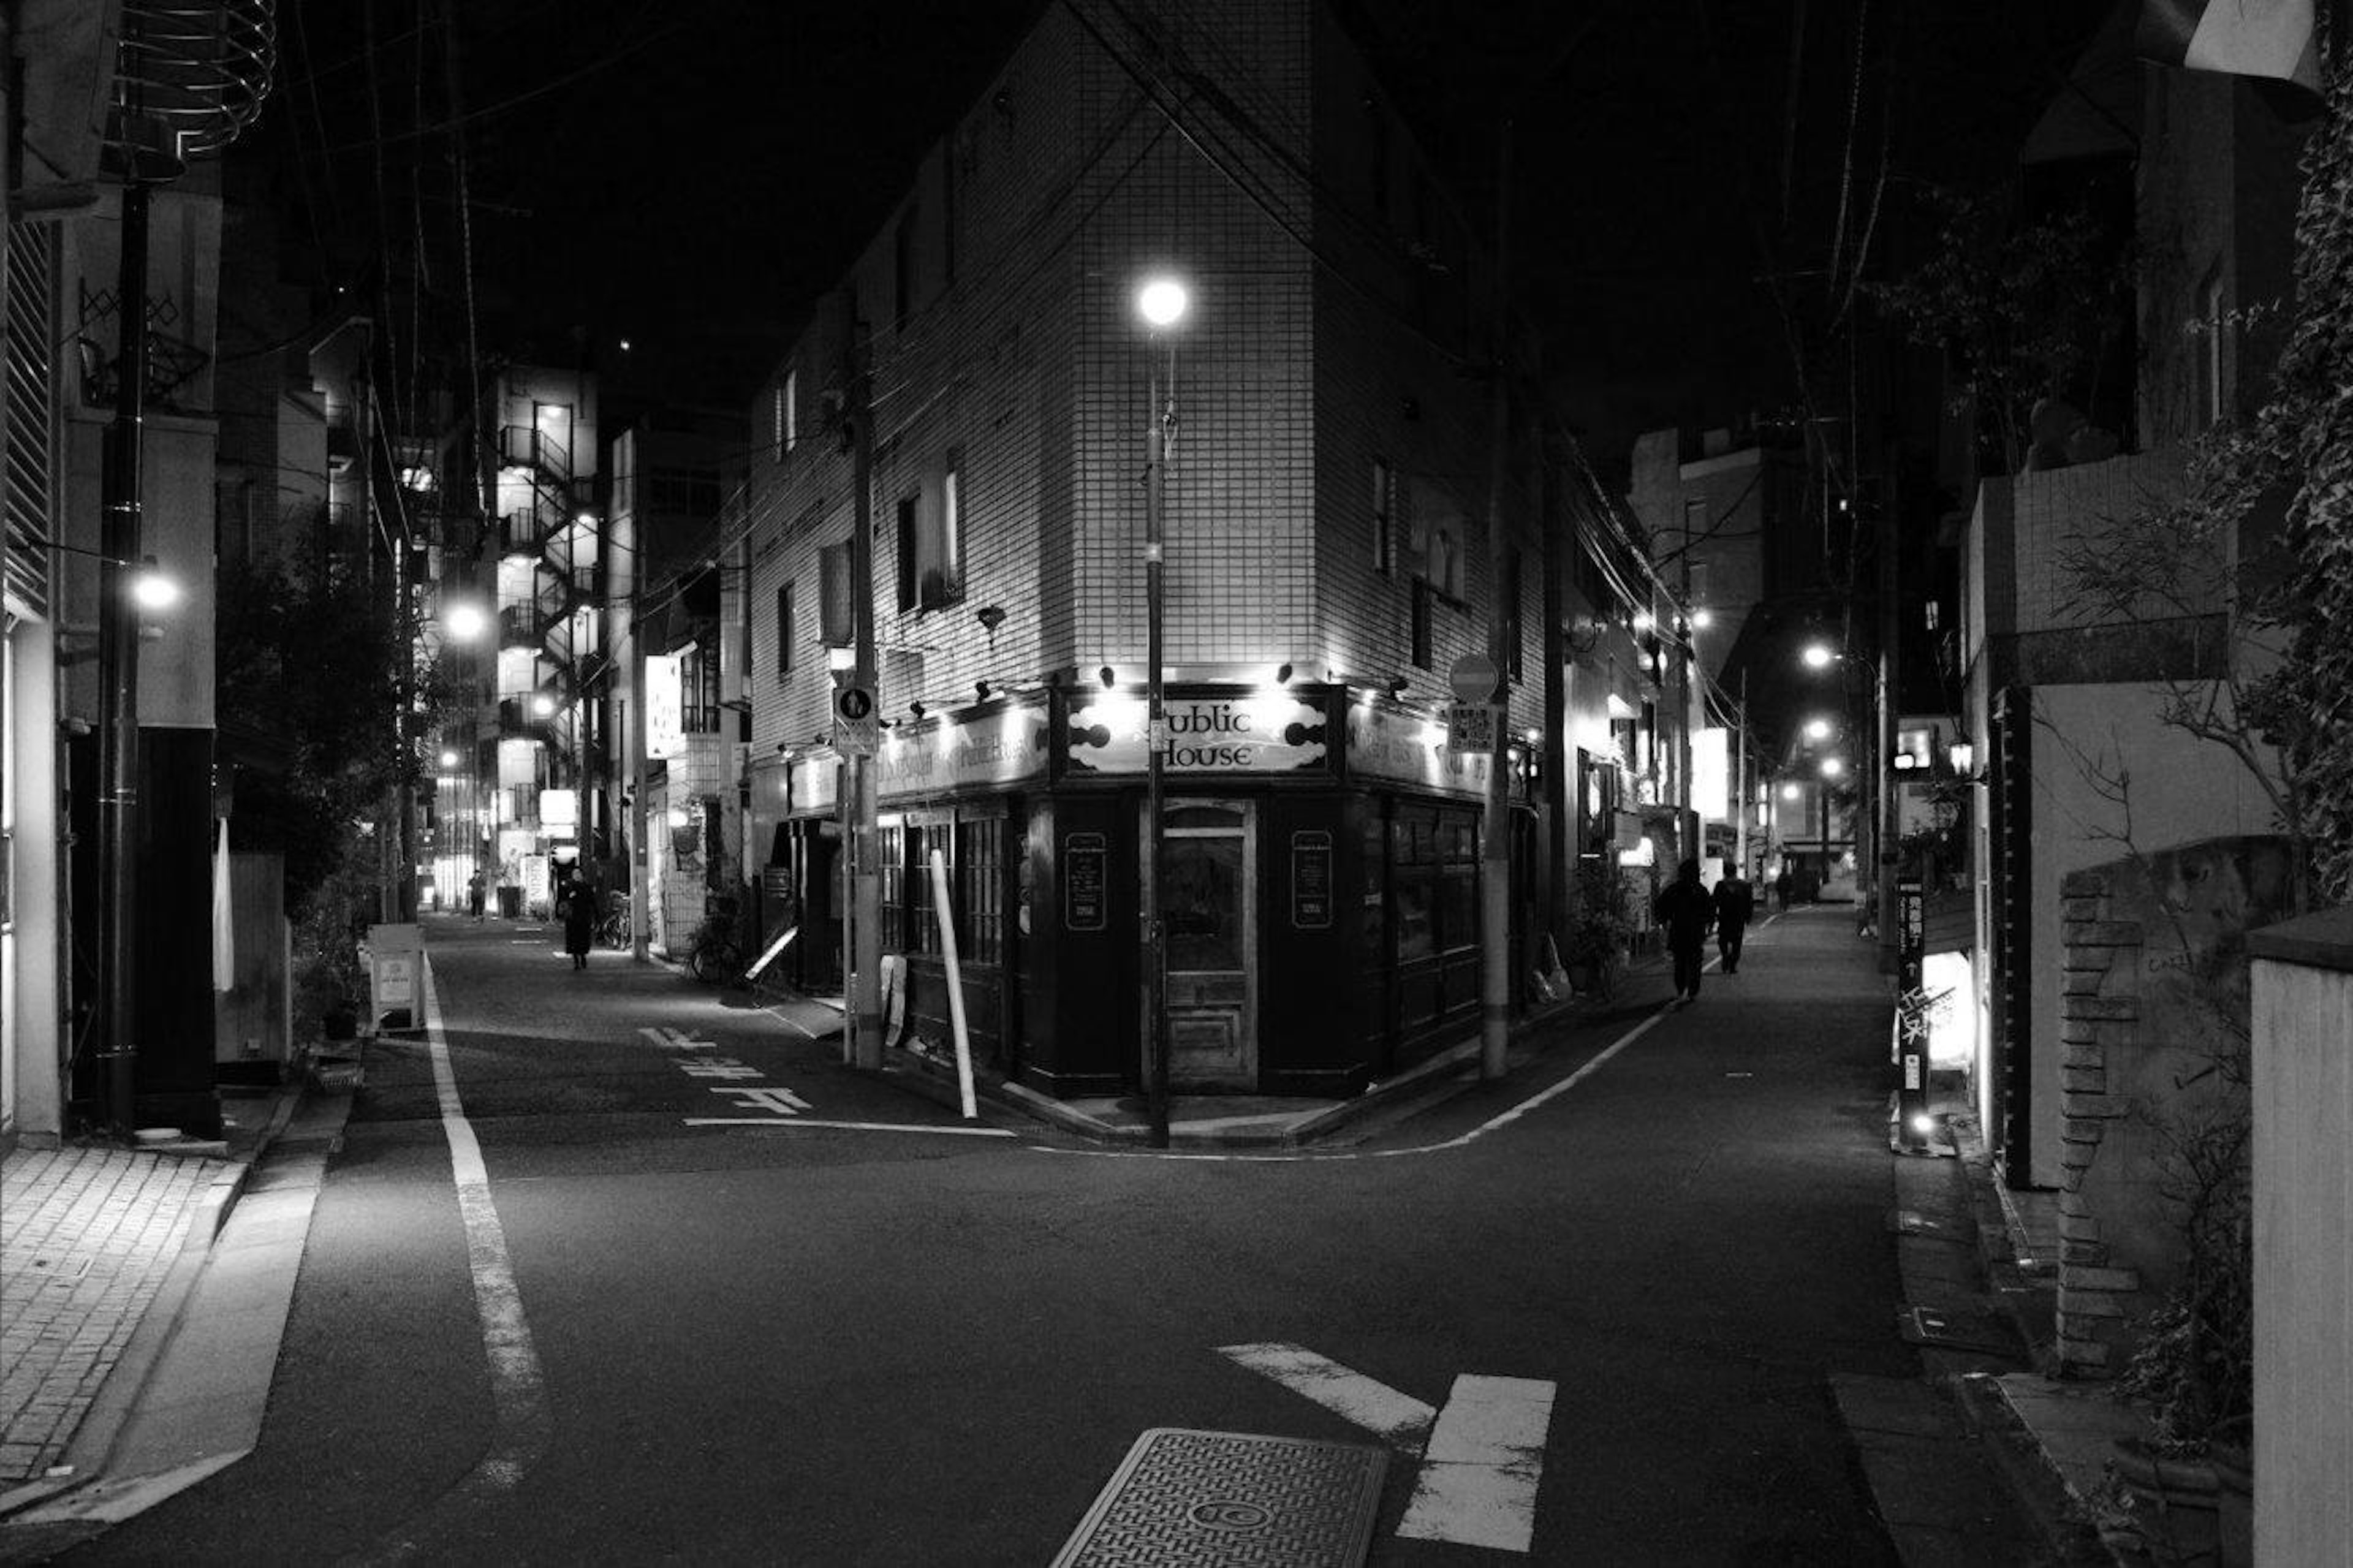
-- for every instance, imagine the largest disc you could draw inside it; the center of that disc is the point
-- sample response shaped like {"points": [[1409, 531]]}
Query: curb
{"points": [[1420, 1088]]}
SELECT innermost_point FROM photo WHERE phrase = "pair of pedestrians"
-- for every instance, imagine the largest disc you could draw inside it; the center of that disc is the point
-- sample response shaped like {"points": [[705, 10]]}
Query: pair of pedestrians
{"points": [[1689, 913]]}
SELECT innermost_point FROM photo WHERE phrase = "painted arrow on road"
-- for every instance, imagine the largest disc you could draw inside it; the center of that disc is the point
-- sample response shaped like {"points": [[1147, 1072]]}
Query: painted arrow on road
{"points": [[1481, 1456]]}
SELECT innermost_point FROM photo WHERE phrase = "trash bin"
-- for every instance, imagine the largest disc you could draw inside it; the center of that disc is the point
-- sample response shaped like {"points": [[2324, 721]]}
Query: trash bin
{"points": [[395, 965]]}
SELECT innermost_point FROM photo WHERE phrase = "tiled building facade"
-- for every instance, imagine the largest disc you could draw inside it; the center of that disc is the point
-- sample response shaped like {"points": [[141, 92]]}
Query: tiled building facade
{"points": [[1326, 563]]}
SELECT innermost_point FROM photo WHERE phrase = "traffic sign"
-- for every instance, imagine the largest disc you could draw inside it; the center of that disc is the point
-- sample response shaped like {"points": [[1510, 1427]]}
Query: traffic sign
{"points": [[856, 732], [1473, 677], [1470, 727]]}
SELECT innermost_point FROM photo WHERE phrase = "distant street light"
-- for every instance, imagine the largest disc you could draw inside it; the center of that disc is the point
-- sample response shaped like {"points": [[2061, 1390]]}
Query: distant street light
{"points": [[542, 705], [1818, 656], [1832, 767], [1818, 729], [449, 759], [1162, 302]]}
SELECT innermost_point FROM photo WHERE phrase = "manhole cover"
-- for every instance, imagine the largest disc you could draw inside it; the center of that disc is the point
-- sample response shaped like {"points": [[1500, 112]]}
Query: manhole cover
{"points": [[1201, 1499]]}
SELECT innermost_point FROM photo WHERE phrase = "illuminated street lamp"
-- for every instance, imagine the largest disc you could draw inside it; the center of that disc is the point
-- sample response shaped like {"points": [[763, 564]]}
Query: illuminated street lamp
{"points": [[1818, 656], [465, 623], [449, 759], [150, 590], [1161, 301], [542, 704], [1818, 729], [1833, 766]]}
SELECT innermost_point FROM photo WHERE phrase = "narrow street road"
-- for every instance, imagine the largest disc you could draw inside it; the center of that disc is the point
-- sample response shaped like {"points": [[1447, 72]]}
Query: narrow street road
{"points": [[746, 1337]]}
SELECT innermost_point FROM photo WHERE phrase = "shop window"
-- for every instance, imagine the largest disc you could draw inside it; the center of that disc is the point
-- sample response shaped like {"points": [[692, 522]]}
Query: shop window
{"points": [[980, 889], [1373, 856], [1458, 882], [923, 836], [1414, 883], [891, 867]]}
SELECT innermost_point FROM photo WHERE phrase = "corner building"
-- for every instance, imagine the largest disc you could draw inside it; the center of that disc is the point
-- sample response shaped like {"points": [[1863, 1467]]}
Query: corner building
{"points": [[1326, 557]]}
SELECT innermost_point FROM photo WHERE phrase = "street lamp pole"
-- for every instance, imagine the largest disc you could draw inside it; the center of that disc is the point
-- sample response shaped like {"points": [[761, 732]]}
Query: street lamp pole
{"points": [[1162, 303]]}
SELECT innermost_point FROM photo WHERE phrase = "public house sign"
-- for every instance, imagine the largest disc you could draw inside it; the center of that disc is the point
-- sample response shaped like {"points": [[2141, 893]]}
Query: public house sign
{"points": [[1237, 734]]}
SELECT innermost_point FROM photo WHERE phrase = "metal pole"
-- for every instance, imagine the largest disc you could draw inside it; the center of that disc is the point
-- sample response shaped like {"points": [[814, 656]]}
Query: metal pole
{"points": [[119, 673], [1883, 767], [1155, 934], [1740, 781], [865, 934], [1495, 848]]}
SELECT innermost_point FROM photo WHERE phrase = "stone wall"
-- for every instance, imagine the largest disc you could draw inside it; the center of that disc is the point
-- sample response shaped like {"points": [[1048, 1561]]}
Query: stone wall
{"points": [[2099, 1013]]}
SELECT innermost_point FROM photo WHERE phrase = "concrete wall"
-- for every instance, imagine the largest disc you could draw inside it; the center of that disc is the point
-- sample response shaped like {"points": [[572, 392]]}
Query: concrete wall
{"points": [[2304, 1212]]}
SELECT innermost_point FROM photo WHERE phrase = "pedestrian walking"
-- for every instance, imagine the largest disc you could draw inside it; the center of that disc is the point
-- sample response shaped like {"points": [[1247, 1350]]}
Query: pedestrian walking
{"points": [[1781, 890], [580, 915], [1736, 905], [474, 891], [1686, 913]]}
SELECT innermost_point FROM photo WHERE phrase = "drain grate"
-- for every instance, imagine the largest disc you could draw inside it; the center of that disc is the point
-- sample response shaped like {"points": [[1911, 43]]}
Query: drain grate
{"points": [[1223, 1499]]}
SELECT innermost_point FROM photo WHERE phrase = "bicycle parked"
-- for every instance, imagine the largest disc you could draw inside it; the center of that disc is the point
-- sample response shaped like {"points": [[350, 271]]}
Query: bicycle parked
{"points": [[614, 929], [715, 955]]}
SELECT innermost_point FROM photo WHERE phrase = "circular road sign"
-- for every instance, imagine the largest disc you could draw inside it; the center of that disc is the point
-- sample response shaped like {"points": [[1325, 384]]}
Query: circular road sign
{"points": [[1472, 678], [854, 703]]}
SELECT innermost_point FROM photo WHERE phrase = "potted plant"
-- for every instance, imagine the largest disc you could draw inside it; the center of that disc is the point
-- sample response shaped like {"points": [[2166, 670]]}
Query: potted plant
{"points": [[2193, 1368], [1600, 929]]}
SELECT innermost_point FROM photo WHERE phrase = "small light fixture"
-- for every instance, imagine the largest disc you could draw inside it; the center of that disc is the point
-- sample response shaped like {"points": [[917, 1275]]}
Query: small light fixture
{"points": [[1789, 792], [1963, 755], [465, 623], [1832, 767], [1105, 676], [150, 589], [1642, 620], [449, 759], [1702, 619], [1161, 301], [980, 690], [1818, 656], [916, 709], [841, 657], [1282, 674], [1818, 729], [542, 705]]}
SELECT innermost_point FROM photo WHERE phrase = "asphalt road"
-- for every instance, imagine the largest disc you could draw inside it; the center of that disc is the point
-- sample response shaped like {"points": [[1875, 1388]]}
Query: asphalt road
{"points": [[790, 1344]]}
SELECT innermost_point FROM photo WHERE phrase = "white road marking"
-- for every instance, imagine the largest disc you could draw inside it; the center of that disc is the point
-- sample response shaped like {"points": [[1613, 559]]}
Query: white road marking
{"points": [[1479, 1476], [1484, 1454], [765, 1096], [793, 1124], [518, 1390], [1400, 1419]]}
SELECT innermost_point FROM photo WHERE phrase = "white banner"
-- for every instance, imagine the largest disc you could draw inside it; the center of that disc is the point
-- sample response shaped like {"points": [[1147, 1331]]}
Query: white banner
{"points": [[665, 706]]}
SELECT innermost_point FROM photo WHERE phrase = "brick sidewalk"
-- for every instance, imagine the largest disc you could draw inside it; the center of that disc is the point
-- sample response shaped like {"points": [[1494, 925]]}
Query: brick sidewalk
{"points": [[87, 1236]]}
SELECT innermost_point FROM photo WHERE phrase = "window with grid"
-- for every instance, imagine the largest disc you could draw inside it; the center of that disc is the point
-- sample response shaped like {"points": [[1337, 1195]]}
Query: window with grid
{"points": [[1421, 655], [980, 889], [1384, 518], [785, 629], [925, 835], [890, 867]]}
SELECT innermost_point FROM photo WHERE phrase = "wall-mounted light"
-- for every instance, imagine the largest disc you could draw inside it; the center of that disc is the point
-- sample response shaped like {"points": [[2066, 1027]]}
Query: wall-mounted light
{"points": [[465, 623], [980, 690], [916, 709], [1963, 755], [1790, 792], [150, 590], [1702, 619], [1833, 766], [449, 759], [1282, 674], [1105, 676], [542, 704]]}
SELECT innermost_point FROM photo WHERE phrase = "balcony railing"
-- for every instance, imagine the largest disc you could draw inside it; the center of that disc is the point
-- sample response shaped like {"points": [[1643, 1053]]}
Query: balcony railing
{"points": [[517, 721], [523, 625], [527, 446]]}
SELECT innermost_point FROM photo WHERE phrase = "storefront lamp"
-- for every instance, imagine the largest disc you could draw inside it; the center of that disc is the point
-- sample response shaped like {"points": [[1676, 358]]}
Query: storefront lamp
{"points": [[152, 590]]}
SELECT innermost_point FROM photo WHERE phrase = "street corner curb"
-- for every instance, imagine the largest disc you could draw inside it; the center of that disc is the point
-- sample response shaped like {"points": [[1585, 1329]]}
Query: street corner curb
{"points": [[2024, 1466]]}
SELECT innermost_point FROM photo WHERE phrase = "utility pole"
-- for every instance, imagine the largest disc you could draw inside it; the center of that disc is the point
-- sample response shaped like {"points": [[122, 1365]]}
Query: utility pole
{"points": [[118, 622], [1740, 782], [1495, 836], [1884, 766], [858, 800], [1155, 925]]}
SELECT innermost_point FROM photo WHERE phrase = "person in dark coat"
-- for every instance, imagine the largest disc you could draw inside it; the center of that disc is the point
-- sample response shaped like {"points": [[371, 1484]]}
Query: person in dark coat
{"points": [[1781, 890], [1686, 913], [580, 914], [1736, 905]]}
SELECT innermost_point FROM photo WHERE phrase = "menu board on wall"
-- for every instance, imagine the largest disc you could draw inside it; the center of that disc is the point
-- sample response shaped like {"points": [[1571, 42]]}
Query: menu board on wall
{"points": [[1084, 857], [1311, 880]]}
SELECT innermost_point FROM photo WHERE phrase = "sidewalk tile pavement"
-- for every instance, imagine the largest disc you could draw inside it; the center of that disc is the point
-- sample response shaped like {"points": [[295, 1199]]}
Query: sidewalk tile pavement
{"points": [[87, 1236]]}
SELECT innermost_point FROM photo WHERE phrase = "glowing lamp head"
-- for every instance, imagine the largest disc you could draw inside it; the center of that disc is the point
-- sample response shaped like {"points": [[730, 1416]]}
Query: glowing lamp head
{"points": [[1832, 767], [1818, 656], [465, 623], [1789, 792], [150, 590], [449, 759], [1818, 729], [1162, 302], [1702, 619], [542, 705]]}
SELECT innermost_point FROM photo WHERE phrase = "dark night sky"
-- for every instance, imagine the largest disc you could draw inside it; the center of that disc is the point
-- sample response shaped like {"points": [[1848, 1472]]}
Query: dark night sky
{"points": [[690, 174]]}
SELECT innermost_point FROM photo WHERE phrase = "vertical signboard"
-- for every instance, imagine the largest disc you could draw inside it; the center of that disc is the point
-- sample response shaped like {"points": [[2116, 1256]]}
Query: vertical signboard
{"points": [[1311, 880], [1085, 862], [665, 706]]}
